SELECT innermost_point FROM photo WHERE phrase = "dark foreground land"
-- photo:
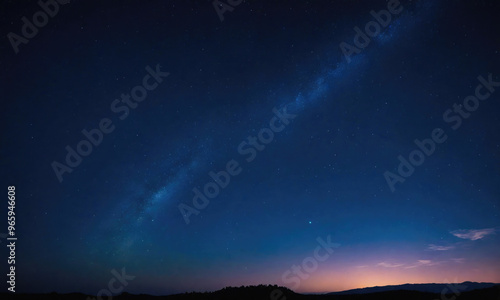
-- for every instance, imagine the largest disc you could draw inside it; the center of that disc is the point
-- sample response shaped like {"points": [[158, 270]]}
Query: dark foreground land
{"points": [[263, 292]]}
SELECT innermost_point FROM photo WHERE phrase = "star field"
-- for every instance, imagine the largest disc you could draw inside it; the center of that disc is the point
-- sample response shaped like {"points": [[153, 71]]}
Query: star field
{"points": [[316, 175]]}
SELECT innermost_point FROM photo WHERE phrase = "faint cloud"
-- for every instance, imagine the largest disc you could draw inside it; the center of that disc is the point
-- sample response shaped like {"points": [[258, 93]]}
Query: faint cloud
{"points": [[389, 265], [439, 248], [418, 263], [458, 260], [473, 234], [422, 263]]}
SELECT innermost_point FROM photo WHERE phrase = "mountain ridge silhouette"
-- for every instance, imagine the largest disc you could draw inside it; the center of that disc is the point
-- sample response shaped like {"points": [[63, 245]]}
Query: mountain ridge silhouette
{"points": [[268, 292], [450, 288]]}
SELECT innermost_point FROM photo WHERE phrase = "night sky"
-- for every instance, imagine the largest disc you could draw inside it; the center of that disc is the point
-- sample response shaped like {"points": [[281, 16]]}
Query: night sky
{"points": [[264, 142]]}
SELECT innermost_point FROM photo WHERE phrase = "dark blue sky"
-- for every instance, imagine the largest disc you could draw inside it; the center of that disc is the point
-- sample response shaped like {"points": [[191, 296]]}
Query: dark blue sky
{"points": [[316, 175]]}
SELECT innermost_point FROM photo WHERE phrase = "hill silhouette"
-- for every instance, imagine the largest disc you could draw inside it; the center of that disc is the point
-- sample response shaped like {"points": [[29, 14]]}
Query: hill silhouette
{"points": [[274, 292], [421, 287]]}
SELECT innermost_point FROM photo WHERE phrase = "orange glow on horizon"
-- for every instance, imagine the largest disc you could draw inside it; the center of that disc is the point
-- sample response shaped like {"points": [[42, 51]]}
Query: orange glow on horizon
{"points": [[354, 278]]}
